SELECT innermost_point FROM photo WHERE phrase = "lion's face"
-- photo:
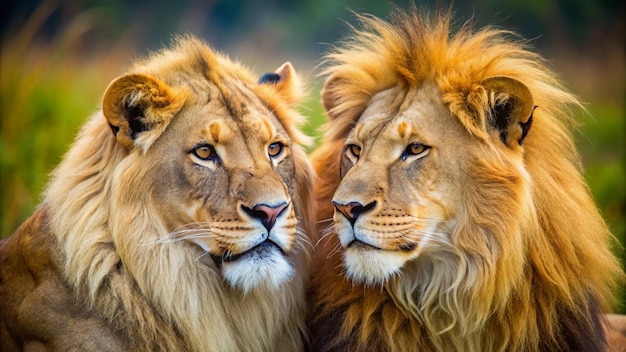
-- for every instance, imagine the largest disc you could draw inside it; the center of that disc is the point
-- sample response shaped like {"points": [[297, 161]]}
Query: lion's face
{"points": [[407, 167], [226, 185], [219, 172]]}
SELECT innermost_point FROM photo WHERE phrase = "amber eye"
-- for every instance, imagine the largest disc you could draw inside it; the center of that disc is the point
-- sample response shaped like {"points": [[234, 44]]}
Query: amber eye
{"points": [[204, 152], [275, 149], [355, 150], [414, 149]]}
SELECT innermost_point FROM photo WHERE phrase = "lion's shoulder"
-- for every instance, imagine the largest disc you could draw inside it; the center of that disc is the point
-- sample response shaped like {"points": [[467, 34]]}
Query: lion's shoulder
{"points": [[30, 250], [35, 299]]}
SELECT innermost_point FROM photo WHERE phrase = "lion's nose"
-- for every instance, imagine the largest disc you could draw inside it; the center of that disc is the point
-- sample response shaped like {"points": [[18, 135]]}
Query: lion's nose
{"points": [[352, 210], [265, 213]]}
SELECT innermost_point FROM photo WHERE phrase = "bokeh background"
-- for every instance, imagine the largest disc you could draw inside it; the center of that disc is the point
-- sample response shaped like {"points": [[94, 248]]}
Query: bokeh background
{"points": [[57, 58]]}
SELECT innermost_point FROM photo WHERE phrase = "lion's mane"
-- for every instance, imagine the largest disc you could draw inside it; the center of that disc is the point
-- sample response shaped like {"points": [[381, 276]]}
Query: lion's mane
{"points": [[542, 294]]}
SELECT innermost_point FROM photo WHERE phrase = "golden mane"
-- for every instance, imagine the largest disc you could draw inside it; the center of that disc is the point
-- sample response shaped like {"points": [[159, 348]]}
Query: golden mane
{"points": [[568, 264], [181, 306]]}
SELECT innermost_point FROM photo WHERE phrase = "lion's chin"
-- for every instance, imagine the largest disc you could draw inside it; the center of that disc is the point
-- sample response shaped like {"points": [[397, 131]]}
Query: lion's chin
{"points": [[372, 266], [264, 265]]}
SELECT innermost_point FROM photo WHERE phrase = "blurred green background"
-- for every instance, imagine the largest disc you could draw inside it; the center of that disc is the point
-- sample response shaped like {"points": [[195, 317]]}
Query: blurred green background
{"points": [[57, 58]]}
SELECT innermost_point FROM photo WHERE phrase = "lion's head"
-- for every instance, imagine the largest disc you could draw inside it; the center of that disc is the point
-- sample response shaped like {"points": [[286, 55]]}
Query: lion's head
{"points": [[220, 175], [414, 180], [453, 183], [192, 186]]}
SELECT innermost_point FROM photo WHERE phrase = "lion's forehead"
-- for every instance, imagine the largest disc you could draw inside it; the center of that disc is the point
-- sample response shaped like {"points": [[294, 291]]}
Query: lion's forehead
{"points": [[216, 122], [381, 134], [250, 127], [417, 116]]}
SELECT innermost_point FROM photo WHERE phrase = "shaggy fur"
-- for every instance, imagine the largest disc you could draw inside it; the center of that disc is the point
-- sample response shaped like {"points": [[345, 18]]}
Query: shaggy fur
{"points": [[127, 249], [516, 256]]}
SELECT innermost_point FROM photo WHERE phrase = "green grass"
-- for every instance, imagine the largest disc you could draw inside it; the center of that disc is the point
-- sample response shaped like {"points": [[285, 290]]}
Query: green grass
{"points": [[45, 96], [316, 117], [602, 146]]}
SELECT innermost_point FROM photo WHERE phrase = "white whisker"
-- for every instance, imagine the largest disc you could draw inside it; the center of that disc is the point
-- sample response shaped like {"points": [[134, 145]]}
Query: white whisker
{"points": [[189, 231], [303, 243], [300, 233], [328, 231], [201, 255], [324, 220], [335, 250]]}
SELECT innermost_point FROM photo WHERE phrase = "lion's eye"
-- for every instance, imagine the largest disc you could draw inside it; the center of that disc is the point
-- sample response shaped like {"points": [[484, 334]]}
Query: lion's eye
{"points": [[275, 149], [352, 152], [415, 149], [355, 150], [204, 152]]}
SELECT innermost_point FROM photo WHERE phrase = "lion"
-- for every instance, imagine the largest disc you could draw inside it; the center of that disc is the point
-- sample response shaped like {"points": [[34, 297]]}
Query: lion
{"points": [[450, 198], [177, 221]]}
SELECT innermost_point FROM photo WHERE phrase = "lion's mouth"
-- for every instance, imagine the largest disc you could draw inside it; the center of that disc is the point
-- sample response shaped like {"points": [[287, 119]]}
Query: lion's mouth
{"points": [[357, 244], [263, 249]]}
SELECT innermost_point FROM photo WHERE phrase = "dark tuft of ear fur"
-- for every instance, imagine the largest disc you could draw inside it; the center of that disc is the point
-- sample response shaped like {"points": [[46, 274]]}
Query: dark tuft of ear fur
{"points": [[138, 108], [511, 107], [285, 81], [269, 78]]}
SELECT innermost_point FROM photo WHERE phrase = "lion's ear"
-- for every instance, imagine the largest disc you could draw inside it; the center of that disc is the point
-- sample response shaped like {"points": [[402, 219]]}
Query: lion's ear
{"points": [[329, 99], [138, 108], [511, 108], [285, 81]]}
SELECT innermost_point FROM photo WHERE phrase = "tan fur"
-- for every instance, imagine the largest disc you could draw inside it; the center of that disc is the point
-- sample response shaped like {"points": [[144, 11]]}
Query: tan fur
{"points": [[488, 239], [616, 332], [114, 259]]}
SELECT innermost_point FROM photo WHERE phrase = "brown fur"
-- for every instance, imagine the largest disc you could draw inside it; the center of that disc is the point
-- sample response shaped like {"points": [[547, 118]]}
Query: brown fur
{"points": [[129, 249], [519, 258]]}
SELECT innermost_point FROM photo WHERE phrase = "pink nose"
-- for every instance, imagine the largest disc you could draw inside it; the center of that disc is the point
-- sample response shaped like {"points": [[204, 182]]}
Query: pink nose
{"points": [[352, 210], [265, 213]]}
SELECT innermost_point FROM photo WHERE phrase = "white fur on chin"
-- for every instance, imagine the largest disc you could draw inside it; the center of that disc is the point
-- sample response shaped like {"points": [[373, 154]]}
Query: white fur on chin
{"points": [[370, 266], [269, 268]]}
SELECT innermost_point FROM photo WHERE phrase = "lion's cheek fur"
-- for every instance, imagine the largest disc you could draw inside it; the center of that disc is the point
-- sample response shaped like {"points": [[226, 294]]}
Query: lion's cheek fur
{"points": [[458, 288], [494, 248]]}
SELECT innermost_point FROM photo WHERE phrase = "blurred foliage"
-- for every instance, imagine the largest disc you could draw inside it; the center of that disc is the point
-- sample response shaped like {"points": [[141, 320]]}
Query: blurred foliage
{"points": [[58, 57]]}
